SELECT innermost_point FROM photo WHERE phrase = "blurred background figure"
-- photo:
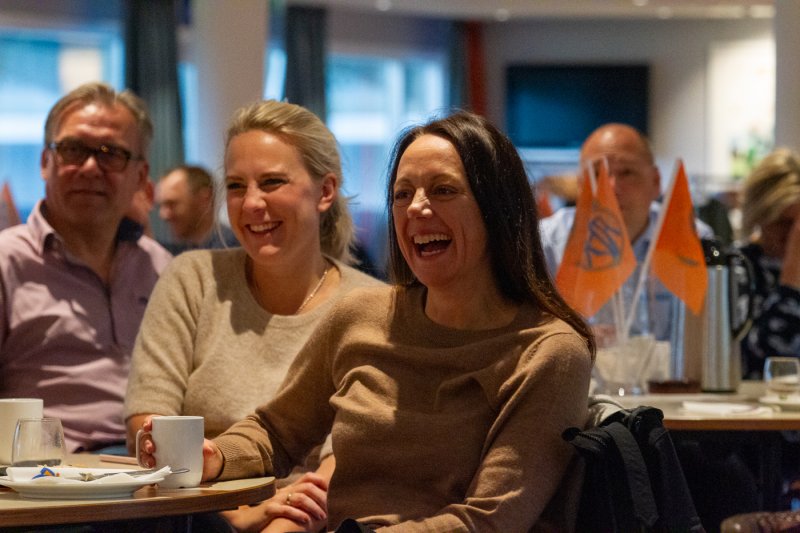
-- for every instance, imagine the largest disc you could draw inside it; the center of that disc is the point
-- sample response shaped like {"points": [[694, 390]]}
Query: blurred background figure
{"points": [[185, 196], [142, 204], [771, 226], [9, 216], [636, 181], [563, 187]]}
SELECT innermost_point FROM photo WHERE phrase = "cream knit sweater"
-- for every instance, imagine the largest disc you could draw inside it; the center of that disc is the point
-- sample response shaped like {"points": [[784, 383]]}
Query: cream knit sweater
{"points": [[207, 348]]}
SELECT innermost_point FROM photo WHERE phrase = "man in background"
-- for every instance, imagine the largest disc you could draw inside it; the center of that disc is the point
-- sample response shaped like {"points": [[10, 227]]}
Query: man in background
{"points": [[636, 182], [185, 195], [76, 278], [143, 202]]}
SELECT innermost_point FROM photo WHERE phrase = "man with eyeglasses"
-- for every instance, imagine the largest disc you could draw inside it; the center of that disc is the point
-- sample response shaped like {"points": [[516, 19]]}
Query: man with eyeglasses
{"points": [[75, 280]]}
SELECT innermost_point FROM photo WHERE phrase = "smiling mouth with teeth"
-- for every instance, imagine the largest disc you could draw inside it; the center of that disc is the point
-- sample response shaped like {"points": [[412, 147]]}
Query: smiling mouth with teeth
{"points": [[263, 228], [431, 244]]}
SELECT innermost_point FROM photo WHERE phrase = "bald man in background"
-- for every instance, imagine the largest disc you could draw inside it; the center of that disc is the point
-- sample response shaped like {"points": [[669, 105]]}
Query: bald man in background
{"points": [[636, 182]]}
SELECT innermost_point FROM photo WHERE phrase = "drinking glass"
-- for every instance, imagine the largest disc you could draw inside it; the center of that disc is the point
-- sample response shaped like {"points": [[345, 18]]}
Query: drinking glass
{"points": [[38, 441], [621, 367], [782, 377]]}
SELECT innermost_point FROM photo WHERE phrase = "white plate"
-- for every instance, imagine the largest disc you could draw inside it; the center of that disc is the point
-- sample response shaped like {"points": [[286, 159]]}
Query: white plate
{"points": [[788, 405], [64, 489], [720, 408]]}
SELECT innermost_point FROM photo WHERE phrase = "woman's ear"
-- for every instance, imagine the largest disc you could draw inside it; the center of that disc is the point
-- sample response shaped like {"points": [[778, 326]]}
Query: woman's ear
{"points": [[328, 192]]}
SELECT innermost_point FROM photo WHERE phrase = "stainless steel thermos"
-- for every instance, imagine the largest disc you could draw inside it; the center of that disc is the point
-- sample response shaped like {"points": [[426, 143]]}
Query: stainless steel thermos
{"points": [[711, 339]]}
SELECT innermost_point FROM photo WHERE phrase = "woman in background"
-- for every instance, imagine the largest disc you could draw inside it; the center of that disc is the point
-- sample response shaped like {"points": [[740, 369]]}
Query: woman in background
{"points": [[771, 222], [446, 394], [223, 326]]}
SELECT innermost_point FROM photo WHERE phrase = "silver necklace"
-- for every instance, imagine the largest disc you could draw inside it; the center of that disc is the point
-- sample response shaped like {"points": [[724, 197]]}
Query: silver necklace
{"points": [[314, 292]]}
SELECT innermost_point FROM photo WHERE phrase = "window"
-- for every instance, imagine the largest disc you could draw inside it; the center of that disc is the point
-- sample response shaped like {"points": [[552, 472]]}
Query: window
{"points": [[38, 66], [370, 99]]}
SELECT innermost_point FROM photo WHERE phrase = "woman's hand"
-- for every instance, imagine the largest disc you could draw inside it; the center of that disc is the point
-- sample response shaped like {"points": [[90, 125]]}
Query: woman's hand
{"points": [[213, 461], [146, 448], [303, 505]]}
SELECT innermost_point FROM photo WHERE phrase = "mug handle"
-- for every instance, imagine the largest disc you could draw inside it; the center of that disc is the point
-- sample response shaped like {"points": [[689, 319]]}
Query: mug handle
{"points": [[139, 435], [739, 331]]}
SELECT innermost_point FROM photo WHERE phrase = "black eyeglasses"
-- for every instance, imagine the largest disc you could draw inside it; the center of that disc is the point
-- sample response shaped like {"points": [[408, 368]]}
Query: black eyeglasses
{"points": [[109, 158]]}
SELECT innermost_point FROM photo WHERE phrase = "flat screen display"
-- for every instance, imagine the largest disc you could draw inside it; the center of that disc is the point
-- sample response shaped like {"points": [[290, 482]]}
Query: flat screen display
{"points": [[557, 106]]}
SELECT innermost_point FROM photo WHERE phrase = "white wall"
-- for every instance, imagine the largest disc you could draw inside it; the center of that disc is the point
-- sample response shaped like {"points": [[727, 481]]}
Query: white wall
{"points": [[227, 47], [676, 50], [787, 76]]}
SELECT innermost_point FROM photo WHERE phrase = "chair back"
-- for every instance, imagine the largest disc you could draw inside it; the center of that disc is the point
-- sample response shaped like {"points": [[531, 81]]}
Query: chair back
{"points": [[633, 480]]}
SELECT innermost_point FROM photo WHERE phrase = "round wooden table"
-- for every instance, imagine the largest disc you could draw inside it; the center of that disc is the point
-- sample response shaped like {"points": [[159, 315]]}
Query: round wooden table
{"points": [[149, 502]]}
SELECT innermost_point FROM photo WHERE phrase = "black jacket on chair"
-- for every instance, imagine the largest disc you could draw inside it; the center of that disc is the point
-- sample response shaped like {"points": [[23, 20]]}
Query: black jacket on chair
{"points": [[633, 479]]}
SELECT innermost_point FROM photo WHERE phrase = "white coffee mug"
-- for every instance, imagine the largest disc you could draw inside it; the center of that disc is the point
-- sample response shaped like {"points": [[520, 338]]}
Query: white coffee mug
{"points": [[12, 409], [179, 444]]}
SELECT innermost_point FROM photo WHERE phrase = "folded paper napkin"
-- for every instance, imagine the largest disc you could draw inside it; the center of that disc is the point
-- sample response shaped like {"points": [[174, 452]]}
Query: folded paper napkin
{"points": [[71, 474], [724, 408]]}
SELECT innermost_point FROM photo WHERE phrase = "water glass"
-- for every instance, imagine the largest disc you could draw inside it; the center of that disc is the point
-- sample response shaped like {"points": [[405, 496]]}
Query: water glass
{"points": [[622, 367], [782, 377], [38, 441]]}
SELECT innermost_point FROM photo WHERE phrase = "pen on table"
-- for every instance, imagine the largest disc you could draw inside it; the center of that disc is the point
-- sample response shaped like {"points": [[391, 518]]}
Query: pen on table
{"points": [[118, 459]]}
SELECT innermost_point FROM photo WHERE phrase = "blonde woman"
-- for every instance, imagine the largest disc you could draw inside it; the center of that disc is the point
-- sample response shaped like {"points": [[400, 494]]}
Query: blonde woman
{"points": [[771, 222], [223, 326]]}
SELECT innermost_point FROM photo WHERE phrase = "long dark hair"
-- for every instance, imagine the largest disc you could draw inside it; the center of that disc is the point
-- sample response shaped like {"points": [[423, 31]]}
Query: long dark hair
{"points": [[500, 185]]}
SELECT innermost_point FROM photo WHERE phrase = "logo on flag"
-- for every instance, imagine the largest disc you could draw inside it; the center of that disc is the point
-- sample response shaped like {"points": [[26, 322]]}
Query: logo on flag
{"points": [[605, 240]]}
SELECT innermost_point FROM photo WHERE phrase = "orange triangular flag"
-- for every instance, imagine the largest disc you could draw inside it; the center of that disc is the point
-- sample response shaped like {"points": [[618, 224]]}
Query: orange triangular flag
{"points": [[598, 257], [9, 216], [678, 259]]}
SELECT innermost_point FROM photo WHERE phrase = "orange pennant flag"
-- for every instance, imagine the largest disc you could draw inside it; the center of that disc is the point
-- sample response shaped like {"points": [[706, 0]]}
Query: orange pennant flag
{"points": [[678, 259], [9, 216], [598, 257]]}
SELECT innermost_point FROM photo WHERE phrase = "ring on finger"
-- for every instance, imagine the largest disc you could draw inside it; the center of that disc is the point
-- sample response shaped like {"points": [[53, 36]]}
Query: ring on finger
{"points": [[289, 499]]}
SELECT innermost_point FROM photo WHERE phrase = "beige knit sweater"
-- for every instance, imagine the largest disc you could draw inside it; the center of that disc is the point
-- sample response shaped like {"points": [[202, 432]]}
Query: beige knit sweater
{"points": [[207, 348], [434, 429]]}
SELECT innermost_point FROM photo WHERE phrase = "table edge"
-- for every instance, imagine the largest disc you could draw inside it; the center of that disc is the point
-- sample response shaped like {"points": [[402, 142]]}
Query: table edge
{"points": [[136, 507]]}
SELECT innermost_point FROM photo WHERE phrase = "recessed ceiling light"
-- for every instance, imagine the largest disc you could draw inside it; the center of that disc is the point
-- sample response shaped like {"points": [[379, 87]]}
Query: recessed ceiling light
{"points": [[664, 12], [383, 5], [502, 14], [640, 3]]}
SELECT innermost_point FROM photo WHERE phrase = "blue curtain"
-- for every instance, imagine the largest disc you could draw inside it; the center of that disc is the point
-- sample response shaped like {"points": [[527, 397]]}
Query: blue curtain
{"points": [[151, 70], [457, 63], [305, 58]]}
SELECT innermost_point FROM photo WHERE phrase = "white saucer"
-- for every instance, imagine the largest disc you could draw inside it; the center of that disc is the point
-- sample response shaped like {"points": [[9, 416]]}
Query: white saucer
{"points": [[68, 488], [77, 491], [720, 408], [785, 404]]}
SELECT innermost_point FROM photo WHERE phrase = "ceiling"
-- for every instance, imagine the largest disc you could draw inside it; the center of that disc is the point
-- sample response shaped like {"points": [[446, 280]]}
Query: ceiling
{"points": [[527, 9]]}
